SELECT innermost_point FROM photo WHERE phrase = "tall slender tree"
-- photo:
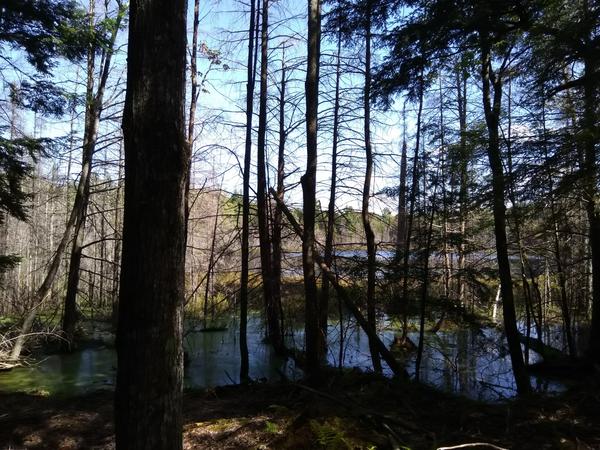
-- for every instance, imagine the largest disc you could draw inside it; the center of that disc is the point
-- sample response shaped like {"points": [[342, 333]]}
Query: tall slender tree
{"points": [[366, 194], [313, 336], [328, 251], [278, 213], [244, 363], [274, 334]]}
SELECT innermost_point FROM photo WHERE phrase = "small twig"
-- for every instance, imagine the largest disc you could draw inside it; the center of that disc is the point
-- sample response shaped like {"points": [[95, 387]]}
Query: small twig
{"points": [[229, 376]]}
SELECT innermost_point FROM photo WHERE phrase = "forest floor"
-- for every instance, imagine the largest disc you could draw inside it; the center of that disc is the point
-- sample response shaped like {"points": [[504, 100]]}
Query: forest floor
{"points": [[351, 411]]}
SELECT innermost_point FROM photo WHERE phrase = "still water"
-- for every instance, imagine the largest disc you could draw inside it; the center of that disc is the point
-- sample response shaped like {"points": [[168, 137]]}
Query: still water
{"points": [[467, 362]]}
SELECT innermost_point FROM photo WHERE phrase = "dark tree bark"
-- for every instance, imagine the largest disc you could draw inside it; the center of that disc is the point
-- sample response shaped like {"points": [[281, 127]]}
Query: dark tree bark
{"points": [[492, 109], [149, 334], [244, 364], [313, 337], [590, 169], [366, 195]]}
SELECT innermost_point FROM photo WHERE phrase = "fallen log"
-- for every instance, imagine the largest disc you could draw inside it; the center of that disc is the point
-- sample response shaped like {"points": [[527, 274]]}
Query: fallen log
{"points": [[386, 355], [546, 351]]}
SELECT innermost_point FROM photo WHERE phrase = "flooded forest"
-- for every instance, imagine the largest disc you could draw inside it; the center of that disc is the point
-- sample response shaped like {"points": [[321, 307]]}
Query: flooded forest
{"points": [[327, 224]]}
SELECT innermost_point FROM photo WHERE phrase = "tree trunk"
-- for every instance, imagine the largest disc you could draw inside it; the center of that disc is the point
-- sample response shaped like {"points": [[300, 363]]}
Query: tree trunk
{"points": [[244, 363], [94, 107], [413, 197], [461, 91], [277, 216], [117, 246], [328, 251], [401, 227], [591, 193], [157, 157], [425, 286], [492, 117], [274, 335], [211, 264], [313, 337], [385, 353], [366, 195], [558, 259]]}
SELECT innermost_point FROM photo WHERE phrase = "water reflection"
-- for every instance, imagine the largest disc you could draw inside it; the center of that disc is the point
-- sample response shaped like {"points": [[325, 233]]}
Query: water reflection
{"points": [[471, 362]]}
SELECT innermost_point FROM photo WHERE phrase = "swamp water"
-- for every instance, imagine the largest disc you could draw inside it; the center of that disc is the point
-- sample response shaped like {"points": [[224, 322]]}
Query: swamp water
{"points": [[467, 362]]}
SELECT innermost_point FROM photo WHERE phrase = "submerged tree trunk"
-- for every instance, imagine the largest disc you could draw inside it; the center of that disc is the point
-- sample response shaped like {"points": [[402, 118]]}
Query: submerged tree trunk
{"points": [[157, 157], [313, 337], [492, 116]]}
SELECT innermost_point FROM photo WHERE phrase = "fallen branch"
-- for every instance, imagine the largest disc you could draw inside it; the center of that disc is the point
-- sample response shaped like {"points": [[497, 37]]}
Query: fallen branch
{"points": [[473, 444], [386, 355]]}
